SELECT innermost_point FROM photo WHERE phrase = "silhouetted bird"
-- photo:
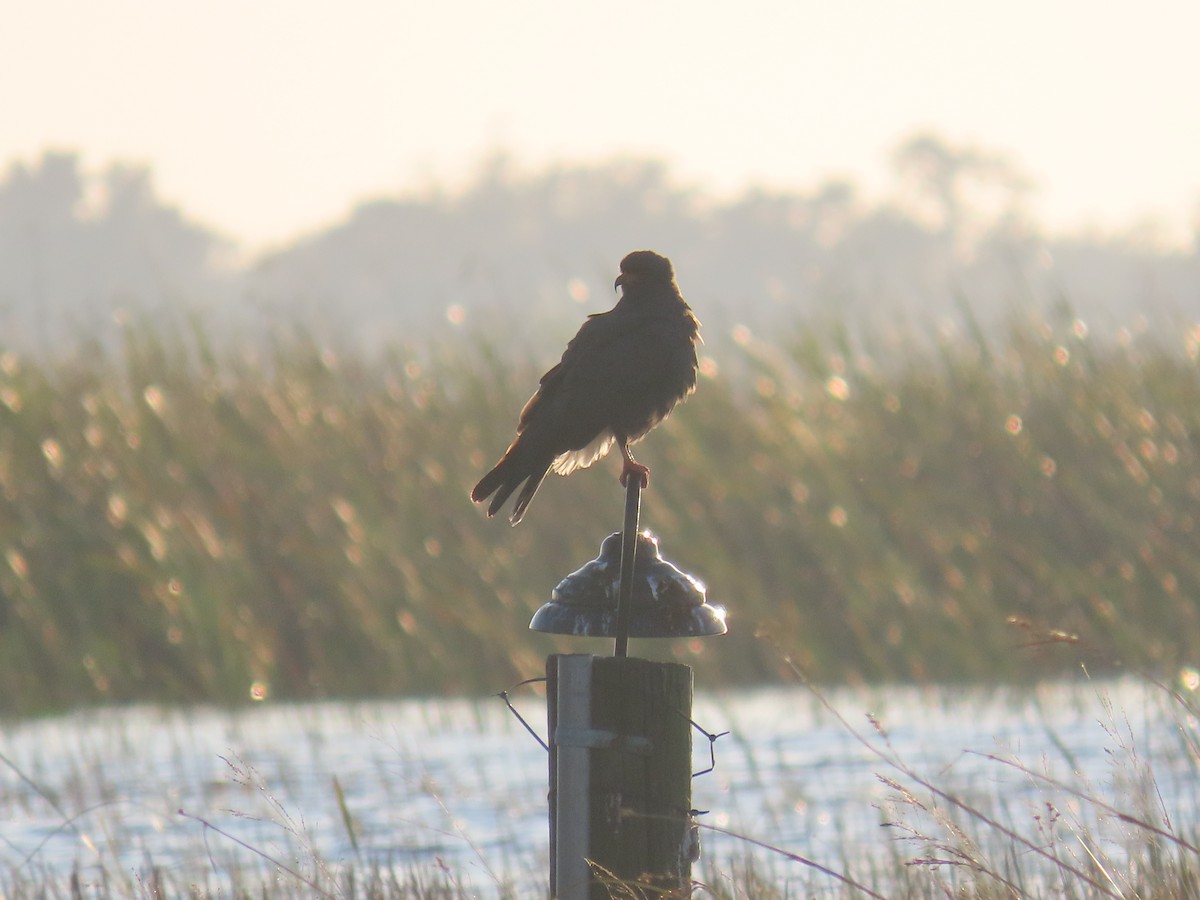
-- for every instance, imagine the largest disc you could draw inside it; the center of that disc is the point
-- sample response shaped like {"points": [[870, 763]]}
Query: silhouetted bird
{"points": [[620, 376]]}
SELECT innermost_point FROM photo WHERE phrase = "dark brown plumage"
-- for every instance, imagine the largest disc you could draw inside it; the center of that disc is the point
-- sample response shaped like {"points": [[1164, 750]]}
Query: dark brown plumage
{"points": [[620, 376]]}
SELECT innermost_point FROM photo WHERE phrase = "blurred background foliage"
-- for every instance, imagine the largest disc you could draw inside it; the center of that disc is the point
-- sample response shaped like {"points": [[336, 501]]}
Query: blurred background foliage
{"points": [[228, 474], [183, 521]]}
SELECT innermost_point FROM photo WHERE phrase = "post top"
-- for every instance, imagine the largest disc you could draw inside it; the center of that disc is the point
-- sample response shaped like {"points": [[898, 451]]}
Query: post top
{"points": [[667, 602]]}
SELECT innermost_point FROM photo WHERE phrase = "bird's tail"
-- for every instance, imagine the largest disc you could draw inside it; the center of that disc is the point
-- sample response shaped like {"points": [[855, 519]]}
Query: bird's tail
{"points": [[532, 483], [508, 474]]}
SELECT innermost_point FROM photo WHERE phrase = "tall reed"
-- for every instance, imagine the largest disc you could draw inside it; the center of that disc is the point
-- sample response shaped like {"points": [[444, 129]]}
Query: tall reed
{"points": [[182, 520]]}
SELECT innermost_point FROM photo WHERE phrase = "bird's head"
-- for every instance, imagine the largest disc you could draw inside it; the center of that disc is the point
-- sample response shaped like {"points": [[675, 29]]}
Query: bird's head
{"points": [[644, 266]]}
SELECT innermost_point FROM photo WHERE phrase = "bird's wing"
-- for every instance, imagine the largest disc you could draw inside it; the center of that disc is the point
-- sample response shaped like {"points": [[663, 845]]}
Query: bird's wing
{"points": [[568, 418], [623, 371], [559, 427], [571, 386]]}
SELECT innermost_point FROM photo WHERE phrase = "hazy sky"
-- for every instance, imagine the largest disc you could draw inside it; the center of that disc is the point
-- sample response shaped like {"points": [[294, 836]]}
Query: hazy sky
{"points": [[267, 118]]}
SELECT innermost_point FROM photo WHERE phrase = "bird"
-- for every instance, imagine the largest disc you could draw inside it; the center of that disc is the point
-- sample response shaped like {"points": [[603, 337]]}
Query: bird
{"points": [[622, 374]]}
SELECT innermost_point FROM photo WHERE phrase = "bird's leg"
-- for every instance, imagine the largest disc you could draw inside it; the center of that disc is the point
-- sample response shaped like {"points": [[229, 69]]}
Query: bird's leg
{"points": [[632, 467]]}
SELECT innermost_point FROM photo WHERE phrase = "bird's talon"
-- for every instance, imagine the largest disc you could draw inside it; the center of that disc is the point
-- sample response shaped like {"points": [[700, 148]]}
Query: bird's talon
{"points": [[633, 468]]}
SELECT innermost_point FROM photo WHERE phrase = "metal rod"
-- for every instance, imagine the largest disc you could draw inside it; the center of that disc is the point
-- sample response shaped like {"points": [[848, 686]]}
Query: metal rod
{"points": [[633, 502]]}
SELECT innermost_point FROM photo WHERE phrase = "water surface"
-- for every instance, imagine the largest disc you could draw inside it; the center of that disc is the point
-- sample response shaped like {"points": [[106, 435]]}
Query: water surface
{"points": [[456, 789]]}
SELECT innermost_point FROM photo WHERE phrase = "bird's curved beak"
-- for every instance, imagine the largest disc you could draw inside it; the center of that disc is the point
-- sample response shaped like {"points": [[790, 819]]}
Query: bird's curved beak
{"points": [[620, 281]]}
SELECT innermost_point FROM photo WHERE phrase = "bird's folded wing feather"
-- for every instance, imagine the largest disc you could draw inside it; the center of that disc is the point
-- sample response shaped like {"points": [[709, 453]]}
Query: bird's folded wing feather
{"points": [[616, 357], [583, 376]]}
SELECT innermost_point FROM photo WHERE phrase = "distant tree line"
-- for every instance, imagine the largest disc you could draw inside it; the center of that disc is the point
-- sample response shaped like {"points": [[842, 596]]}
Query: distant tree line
{"points": [[77, 248]]}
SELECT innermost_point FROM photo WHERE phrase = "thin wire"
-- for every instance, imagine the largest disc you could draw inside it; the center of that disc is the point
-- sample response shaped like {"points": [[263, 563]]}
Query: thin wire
{"points": [[712, 748], [503, 695]]}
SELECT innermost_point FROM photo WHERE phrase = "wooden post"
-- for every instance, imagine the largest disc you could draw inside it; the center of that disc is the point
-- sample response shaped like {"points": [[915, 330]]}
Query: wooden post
{"points": [[620, 774]]}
